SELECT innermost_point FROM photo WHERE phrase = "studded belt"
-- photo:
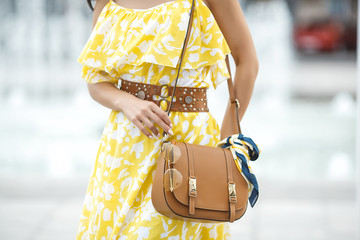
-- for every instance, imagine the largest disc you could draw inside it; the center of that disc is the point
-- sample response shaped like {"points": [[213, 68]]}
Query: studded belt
{"points": [[186, 99]]}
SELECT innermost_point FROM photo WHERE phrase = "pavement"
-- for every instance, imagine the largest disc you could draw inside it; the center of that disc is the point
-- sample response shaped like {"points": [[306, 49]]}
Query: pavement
{"points": [[43, 208]]}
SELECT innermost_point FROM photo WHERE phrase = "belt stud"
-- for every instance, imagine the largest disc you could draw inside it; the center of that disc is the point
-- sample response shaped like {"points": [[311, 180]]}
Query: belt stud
{"points": [[141, 95], [188, 99]]}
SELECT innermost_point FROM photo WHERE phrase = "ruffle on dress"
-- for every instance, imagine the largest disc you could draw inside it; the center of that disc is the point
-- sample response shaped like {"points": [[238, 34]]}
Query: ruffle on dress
{"points": [[156, 35]]}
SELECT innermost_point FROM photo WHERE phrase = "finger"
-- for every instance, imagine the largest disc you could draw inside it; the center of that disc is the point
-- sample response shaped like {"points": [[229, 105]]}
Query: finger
{"points": [[142, 128], [160, 122], [162, 115], [150, 125]]}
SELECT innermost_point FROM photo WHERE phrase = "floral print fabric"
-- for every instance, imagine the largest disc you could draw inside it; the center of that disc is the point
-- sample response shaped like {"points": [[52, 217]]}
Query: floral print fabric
{"points": [[144, 45]]}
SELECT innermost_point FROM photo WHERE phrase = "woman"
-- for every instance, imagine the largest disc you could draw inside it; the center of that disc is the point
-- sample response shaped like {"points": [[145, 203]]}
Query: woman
{"points": [[139, 42]]}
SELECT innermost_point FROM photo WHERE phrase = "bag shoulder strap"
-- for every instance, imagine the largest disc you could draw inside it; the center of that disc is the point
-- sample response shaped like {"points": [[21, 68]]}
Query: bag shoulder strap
{"points": [[234, 109], [233, 100]]}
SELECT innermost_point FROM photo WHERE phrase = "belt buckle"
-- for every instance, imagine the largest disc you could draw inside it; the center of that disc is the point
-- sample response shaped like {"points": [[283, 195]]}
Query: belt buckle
{"points": [[163, 97], [161, 90]]}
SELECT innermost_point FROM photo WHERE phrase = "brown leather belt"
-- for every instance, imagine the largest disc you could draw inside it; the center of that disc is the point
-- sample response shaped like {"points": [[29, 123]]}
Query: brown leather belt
{"points": [[186, 99]]}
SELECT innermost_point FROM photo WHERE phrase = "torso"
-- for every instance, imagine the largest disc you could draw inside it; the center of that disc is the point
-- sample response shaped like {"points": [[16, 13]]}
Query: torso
{"points": [[143, 4]]}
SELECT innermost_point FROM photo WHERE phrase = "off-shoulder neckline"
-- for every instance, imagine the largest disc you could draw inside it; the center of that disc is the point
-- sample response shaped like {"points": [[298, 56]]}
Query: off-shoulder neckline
{"points": [[145, 9]]}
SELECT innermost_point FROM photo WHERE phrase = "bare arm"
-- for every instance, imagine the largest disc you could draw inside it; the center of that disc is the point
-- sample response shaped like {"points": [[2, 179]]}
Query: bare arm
{"points": [[142, 113], [230, 18]]}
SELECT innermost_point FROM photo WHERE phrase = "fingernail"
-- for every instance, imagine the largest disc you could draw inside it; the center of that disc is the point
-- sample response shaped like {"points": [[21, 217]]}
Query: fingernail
{"points": [[171, 132], [171, 125], [158, 135], [151, 136]]}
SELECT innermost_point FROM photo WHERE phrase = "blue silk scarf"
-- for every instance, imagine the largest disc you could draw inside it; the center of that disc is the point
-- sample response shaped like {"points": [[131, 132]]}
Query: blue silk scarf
{"points": [[244, 149]]}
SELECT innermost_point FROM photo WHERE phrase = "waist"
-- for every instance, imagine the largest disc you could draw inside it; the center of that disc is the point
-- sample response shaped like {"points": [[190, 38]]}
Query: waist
{"points": [[186, 99]]}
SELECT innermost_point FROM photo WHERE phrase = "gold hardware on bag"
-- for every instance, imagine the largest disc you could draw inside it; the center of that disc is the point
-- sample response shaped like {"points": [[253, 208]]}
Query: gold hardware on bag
{"points": [[232, 193], [192, 187], [237, 103]]}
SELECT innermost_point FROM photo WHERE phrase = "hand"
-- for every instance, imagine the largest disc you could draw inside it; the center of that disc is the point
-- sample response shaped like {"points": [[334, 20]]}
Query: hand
{"points": [[145, 113]]}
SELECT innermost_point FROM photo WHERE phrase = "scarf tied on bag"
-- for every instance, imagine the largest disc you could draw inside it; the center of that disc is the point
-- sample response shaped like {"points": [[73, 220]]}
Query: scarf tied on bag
{"points": [[244, 149]]}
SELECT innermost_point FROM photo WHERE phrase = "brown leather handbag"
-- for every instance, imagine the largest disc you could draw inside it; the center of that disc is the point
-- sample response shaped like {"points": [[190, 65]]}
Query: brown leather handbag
{"points": [[196, 182]]}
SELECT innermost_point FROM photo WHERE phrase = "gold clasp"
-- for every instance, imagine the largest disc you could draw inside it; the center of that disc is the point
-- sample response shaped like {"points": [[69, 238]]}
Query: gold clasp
{"points": [[192, 187], [232, 193]]}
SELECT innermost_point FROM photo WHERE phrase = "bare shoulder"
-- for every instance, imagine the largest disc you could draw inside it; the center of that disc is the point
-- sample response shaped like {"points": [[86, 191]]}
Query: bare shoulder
{"points": [[102, 1], [99, 4], [230, 18], [212, 4]]}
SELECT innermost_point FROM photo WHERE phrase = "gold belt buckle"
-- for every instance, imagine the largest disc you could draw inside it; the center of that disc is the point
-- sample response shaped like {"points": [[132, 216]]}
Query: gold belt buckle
{"points": [[161, 90], [167, 104], [163, 97]]}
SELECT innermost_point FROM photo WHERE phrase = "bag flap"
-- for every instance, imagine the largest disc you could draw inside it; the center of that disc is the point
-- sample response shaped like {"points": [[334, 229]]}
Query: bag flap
{"points": [[211, 177]]}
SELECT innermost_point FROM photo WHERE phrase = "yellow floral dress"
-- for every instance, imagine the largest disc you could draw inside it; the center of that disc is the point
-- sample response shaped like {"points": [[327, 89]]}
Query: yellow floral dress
{"points": [[144, 45]]}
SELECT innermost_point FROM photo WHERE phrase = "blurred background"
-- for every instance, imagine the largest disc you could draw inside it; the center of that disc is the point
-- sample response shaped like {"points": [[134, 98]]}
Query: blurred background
{"points": [[302, 115]]}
